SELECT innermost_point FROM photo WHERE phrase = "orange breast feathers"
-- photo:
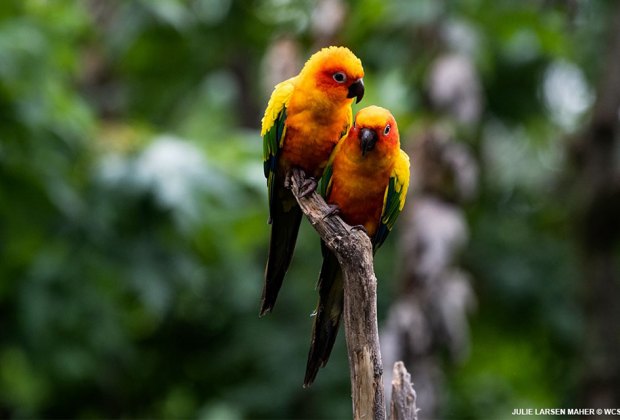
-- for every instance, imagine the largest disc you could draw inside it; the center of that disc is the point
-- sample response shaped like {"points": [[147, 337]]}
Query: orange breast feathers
{"points": [[359, 182], [311, 140]]}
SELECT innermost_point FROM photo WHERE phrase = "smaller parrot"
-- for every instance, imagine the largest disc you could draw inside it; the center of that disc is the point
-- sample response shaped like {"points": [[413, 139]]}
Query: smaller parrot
{"points": [[305, 118], [365, 182]]}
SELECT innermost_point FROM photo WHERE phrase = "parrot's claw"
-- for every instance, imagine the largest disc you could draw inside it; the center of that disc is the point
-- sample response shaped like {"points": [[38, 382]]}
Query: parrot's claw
{"points": [[292, 173], [308, 187], [333, 211], [360, 227]]}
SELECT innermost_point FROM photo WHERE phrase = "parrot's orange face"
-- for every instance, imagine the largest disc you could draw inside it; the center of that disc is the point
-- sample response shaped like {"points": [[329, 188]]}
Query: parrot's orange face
{"points": [[375, 128], [337, 72]]}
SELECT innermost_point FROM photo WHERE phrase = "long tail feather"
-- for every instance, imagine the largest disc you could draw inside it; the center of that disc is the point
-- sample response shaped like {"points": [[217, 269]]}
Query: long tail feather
{"points": [[284, 229], [328, 315]]}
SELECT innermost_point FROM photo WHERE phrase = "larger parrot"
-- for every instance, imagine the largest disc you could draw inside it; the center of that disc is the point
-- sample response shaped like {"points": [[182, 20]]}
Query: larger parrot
{"points": [[366, 181], [305, 117]]}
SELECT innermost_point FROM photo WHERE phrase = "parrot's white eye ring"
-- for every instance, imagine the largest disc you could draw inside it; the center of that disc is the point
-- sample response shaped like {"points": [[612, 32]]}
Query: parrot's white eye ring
{"points": [[340, 77], [386, 131]]}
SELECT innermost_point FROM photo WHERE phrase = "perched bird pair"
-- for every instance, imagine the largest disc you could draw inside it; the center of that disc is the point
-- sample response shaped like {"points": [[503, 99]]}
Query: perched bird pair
{"points": [[308, 124]]}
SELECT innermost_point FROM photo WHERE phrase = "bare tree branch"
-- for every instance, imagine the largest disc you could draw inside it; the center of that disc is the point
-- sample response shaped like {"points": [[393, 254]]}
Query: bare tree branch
{"points": [[403, 405], [353, 249]]}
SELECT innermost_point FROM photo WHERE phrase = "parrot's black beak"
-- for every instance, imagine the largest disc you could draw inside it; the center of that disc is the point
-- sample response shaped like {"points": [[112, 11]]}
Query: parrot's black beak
{"points": [[356, 90], [368, 138]]}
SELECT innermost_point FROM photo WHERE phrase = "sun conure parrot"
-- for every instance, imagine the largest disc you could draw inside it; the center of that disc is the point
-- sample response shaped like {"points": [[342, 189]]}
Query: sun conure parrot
{"points": [[305, 117], [366, 182]]}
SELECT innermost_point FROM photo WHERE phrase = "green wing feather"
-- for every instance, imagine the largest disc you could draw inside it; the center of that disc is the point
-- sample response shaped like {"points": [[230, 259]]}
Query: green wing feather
{"points": [[274, 130], [394, 199], [326, 179]]}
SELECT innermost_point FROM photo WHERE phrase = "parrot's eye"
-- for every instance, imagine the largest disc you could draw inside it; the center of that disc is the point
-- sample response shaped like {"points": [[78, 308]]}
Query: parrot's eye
{"points": [[340, 77], [386, 131]]}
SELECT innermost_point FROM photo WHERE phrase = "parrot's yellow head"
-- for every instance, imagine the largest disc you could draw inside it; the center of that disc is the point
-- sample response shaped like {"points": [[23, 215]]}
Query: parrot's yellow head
{"points": [[337, 72], [375, 127]]}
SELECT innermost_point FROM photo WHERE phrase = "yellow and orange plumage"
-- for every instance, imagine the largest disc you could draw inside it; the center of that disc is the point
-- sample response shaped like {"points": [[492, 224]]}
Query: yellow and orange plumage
{"points": [[305, 117], [367, 178]]}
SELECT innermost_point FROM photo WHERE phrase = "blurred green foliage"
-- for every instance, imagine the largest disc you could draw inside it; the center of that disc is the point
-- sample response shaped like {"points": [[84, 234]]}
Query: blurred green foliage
{"points": [[133, 212]]}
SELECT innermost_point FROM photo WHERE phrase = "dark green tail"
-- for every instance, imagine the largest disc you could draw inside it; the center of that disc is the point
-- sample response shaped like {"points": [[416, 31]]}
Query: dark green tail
{"points": [[284, 229], [328, 314]]}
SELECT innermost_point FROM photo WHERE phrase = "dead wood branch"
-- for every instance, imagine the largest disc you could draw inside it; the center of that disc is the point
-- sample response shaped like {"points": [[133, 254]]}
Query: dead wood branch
{"points": [[403, 405], [353, 249]]}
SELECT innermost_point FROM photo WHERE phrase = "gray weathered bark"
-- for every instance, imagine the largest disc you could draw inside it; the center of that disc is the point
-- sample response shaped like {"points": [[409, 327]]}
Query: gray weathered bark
{"points": [[597, 207], [403, 405], [430, 313]]}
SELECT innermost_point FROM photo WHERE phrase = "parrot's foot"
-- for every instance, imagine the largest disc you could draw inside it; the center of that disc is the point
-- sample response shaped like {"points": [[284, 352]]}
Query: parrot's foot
{"points": [[333, 211], [292, 173], [308, 187], [360, 227]]}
